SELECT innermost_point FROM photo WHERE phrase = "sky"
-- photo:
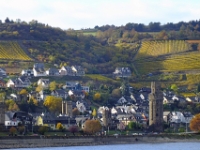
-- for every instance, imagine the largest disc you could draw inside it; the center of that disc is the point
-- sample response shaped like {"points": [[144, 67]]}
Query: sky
{"points": [[81, 14]]}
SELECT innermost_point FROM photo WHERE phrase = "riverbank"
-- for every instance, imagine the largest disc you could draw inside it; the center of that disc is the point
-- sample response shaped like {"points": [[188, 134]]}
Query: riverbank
{"points": [[33, 142]]}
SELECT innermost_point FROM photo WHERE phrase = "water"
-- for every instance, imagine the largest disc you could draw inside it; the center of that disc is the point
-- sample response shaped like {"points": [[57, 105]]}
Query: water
{"points": [[160, 146]]}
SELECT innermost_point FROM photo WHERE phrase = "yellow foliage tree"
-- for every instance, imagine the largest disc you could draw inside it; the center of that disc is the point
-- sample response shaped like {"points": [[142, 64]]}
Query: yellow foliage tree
{"points": [[53, 103], [59, 126], [195, 123], [23, 92], [33, 101], [11, 105], [39, 88], [92, 126], [13, 130], [94, 113], [52, 86], [97, 96]]}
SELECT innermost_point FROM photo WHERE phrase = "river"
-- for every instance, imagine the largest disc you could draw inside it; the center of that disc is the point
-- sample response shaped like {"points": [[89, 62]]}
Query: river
{"points": [[156, 146]]}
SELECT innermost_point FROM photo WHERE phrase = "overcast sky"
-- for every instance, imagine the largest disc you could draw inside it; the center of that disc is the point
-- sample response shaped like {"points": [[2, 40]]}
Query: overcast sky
{"points": [[79, 14]]}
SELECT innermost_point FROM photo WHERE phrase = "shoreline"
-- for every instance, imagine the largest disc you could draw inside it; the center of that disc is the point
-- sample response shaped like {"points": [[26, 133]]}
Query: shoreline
{"points": [[36, 142]]}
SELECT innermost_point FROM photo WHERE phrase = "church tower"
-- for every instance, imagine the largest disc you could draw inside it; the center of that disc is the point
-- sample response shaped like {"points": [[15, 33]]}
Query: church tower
{"points": [[156, 108], [2, 113], [106, 115], [67, 108]]}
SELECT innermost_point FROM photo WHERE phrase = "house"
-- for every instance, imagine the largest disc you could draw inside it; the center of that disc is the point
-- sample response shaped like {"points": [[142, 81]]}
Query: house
{"points": [[3, 72], [52, 72], [122, 100], [20, 82], [71, 85], [14, 118], [60, 93], [38, 70], [66, 70], [10, 120], [2, 84], [43, 82], [77, 94], [27, 72], [78, 71], [166, 116], [122, 72], [72, 71]]}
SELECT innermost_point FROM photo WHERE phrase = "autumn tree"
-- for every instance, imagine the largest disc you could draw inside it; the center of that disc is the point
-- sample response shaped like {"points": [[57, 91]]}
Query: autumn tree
{"points": [[116, 93], [11, 105], [174, 87], [23, 92], [59, 126], [52, 86], [92, 126], [97, 96], [195, 123], [73, 129], [53, 103], [13, 131], [39, 88], [42, 130], [33, 101], [94, 113]]}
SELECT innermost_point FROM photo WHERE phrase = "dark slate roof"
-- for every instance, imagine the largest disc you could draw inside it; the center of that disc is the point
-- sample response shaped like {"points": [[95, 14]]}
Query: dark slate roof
{"points": [[39, 67], [60, 91], [53, 70]]}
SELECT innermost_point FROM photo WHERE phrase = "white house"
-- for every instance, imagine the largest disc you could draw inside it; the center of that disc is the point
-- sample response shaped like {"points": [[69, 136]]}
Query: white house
{"points": [[43, 82], [38, 70], [27, 72], [20, 82]]}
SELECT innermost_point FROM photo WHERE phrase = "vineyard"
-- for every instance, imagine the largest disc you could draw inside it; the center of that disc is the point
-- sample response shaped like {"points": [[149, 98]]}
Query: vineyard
{"points": [[158, 48], [179, 62], [12, 51]]}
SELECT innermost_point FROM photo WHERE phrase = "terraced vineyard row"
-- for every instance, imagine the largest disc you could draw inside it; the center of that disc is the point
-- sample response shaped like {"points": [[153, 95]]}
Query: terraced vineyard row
{"points": [[158, 48], [12, 50], [183, 62]]}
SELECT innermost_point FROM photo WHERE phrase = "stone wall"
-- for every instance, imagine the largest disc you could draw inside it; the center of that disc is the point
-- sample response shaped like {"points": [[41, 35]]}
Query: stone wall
{"points": [[59, 141]]}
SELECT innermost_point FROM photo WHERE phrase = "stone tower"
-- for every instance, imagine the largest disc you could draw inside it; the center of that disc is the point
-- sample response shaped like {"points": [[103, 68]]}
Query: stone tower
{"points": [[2, 113], [67, 108], [106, 115], [156, 108]]}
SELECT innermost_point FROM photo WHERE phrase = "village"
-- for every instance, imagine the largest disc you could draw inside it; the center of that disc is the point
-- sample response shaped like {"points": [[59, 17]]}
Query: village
{"points": [[130, 113]]}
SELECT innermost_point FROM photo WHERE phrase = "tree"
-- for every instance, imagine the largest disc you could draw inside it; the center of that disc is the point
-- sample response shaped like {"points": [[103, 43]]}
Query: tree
{"points": [[21, 129], [92, 126], [52, 86], [23, 92], [39, 88], [131, 125], [116, 93], [42, 130], [53, 103], [75, 112], [195, 123], [59, 126], [13, 131], [73, 129], [97, 96], [174, 87], [11, 105], [94, 113]]}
